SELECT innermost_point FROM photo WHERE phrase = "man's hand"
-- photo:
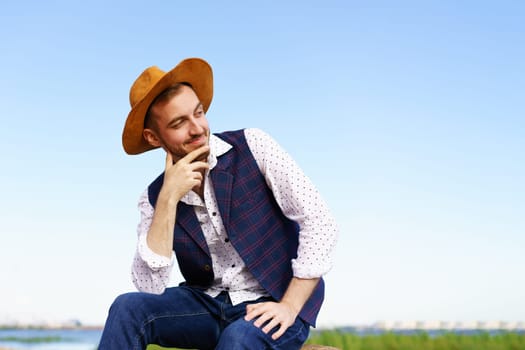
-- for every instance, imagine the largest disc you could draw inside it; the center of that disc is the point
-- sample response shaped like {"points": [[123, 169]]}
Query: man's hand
{"points": [[283, 313], [185, 174], [179, 179], [271, 314]]}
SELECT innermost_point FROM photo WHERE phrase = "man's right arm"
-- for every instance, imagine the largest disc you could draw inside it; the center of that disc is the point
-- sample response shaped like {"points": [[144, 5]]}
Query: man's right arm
{"points": [[150, 272], [154, 256]]}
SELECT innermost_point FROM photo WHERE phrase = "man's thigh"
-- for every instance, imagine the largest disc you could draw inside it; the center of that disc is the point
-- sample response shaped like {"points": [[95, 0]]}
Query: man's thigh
{"points": [[181, 317]]}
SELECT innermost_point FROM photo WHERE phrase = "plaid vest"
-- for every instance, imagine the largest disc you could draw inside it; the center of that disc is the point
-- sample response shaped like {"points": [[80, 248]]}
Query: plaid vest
{"points": [[264, 238]]}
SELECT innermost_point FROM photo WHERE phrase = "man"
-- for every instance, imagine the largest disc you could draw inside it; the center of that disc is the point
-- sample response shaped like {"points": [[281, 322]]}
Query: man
{"points": [[250, 233]]}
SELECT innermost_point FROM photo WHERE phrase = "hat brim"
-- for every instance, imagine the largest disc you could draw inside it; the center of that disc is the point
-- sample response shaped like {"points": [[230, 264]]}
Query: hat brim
{"points": [[194, 71]]}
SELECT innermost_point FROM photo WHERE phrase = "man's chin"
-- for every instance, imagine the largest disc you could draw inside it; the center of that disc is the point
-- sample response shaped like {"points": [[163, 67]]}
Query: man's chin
{"points": [[203, 157]]}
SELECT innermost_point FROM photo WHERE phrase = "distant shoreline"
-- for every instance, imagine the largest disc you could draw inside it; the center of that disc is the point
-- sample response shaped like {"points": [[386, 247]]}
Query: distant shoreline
{"points": [[50, 328]]}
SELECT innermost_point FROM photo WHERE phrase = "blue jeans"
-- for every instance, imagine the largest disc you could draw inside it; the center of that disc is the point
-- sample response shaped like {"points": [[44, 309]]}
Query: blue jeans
{"points": [[187, 318]]}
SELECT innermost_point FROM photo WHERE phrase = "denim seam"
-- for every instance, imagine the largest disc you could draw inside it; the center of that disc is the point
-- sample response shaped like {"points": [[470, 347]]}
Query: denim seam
{"points": [[290, 338], [152, 319]]}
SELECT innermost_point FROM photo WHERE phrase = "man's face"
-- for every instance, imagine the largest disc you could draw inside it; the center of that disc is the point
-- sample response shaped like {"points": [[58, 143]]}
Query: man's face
{"points": [[181, 124]]}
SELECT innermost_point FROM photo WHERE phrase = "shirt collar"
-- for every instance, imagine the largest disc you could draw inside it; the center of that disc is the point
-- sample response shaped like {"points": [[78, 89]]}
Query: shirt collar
{"points": [[217, 148]]}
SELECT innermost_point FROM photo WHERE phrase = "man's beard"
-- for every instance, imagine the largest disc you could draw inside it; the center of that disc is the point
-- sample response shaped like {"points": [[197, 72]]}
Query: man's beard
{"points": [[202, 158]]}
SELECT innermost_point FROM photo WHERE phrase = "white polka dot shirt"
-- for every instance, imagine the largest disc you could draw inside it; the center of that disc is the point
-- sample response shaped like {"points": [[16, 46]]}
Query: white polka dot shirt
{"points": [[296, 196]]}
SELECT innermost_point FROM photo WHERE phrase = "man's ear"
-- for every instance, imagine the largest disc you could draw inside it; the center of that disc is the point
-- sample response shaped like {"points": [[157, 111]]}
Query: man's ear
{"points": [[150, 136]]}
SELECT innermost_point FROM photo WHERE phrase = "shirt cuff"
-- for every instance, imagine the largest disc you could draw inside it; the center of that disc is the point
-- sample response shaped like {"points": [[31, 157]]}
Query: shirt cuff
{"points": [[308, 271], [153, 260]]}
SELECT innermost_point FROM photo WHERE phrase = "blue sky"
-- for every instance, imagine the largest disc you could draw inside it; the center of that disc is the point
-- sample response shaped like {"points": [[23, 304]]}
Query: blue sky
{"points": [[409, 118]]}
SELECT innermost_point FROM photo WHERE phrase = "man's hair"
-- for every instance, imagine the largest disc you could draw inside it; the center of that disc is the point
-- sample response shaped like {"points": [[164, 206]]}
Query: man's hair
{"points": [[166, 95]]}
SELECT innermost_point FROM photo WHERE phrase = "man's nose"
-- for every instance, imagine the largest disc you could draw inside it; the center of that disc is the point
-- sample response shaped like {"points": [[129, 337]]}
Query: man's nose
{"points": [[195, 127]]}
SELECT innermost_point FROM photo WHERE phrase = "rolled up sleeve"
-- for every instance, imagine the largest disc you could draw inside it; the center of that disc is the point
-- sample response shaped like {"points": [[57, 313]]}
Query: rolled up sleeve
{"points": [[150, 272]]}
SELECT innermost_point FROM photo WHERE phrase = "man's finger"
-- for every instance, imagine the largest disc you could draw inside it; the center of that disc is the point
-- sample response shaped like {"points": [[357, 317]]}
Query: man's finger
{"points": [[270, 325], [253, 310], [169, 159], [262, 319], [199, 165], [190, 157], [279, 332]]}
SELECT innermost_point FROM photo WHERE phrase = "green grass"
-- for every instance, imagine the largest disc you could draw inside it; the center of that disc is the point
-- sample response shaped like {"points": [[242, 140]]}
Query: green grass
{"points": [[32, 340], [421, 341]]}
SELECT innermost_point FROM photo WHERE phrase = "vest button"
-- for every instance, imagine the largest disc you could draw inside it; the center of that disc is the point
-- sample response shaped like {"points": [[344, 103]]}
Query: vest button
{"points": [[207, 267]]}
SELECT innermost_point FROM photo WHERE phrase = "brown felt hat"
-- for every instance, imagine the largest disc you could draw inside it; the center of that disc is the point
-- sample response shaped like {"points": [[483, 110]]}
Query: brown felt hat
{"points": [[150, 84]]}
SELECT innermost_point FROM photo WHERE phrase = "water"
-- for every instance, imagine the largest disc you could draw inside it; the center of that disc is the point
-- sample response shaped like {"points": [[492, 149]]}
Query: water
{"points": [[68, 339]]}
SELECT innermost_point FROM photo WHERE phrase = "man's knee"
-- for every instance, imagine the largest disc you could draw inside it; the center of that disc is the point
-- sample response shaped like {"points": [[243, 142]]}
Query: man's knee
{"points": [[241, 334], [128, 303]]}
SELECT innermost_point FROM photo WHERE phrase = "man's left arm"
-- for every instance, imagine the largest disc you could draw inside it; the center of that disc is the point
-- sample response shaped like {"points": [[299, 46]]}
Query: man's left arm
{"points": [[299, 201], [283, 313]]}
